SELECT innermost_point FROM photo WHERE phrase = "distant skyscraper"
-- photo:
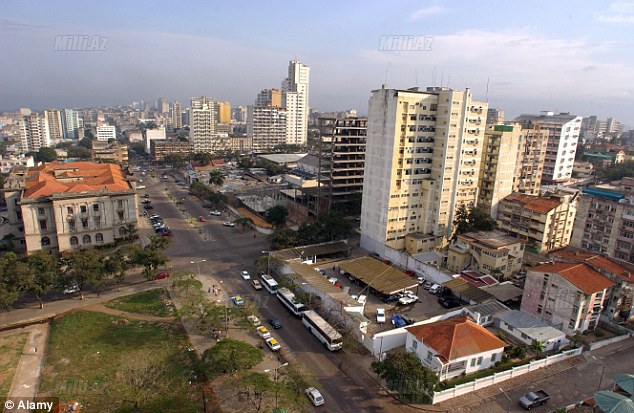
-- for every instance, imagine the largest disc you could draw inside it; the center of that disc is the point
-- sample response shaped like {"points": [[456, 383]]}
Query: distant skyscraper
{"points": [[563, 135], [269, 97], [177, 119], [55, 125], [295, 94], [495, 116], [224, 112], [239, 114], [202, 123], [162, 105], [422, 161], [71, 123], [33, 133], [266, 127]]}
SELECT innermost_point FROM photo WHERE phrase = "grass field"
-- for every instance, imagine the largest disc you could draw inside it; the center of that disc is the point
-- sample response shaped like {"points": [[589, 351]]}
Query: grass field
{"points": [[150, 302], [11, 348], [108, 363]]}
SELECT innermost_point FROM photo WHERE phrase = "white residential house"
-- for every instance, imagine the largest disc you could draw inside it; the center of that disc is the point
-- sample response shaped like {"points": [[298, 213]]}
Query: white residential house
{"points": [[530, 329]]}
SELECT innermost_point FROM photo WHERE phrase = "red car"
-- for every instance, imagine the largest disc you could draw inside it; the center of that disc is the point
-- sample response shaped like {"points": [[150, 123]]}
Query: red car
{"points": [[167, 234], [161, 275], [202, 219]]}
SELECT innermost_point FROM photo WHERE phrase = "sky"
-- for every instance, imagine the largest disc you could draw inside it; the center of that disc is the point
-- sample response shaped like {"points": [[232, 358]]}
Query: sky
{"points": [[564, 56]]}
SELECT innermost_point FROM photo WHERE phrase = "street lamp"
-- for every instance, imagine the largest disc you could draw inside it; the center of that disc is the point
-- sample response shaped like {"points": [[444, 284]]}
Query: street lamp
{"points": [[275, 377], [198, 264], [508, 408], [602, 372]]}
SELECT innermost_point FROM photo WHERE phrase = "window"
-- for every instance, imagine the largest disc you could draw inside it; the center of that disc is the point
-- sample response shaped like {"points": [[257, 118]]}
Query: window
{"points": [[70, 210], [97, 222], [120, 214], [83, 209], [414, 344], [480, 360], [74, 241], [84, 223], [119, 203], [40, 211], [95, 207], [493, 357], [122, 231], [429, 355], [473, 362], [86, 239], [43, 224], [99, 238], [46, 241]]}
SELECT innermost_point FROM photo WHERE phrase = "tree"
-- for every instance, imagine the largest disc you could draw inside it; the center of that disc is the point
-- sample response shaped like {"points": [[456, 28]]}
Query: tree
{"points": [[216, 198], [14, 275], [43, 274], [404, 373], [138, 147], [616, 172], [244, 222], [266, 263], [334, 226], [85, 143], [204, 158], [283, 238], [131, 232], [471, 219], [216, 178], [82, 268], [8, 243], [151, 256], [185, 284], [538, 347], [46, 154], [276, 216], [256, 387], [117, 265], [229, 356]]}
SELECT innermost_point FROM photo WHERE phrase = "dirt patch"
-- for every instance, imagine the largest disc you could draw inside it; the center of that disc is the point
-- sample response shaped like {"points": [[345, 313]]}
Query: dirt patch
{"points": [[134, 316], [257, 220]]}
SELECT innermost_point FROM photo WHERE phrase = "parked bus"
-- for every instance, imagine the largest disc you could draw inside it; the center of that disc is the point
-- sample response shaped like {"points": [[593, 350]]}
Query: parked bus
{"points": [[322, 330], [269, 283], [287, 298]]}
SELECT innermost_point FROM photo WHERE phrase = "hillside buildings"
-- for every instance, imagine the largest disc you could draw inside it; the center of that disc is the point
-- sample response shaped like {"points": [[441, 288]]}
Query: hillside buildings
{"points": [[58, 207], [422, 161]]}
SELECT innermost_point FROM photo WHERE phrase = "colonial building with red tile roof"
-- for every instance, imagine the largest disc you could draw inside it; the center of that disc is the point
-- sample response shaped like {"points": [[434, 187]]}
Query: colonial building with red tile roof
{"points": [[454, 346], [568, 296], [63, 206], [543, 222]]}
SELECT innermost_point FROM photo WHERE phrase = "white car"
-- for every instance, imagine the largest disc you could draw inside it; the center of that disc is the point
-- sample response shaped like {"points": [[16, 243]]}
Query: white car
{"points": [[263, 332], [215, 213], [435, 289], [254, 320], [245, 275], [71, 290], [362, 299], [273, 344], [314, 396], [228, 224], [405, 300], [380, 315], [333, 280]]}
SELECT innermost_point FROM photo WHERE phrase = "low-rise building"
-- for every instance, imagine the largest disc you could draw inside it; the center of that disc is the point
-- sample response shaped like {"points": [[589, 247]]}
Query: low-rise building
{"points": [[159, 149], [530, 330], [106, 132], [64, 206], [113, 152], [490, 252], [543, 222], [454, 346], [12, 161], [568, 296]]}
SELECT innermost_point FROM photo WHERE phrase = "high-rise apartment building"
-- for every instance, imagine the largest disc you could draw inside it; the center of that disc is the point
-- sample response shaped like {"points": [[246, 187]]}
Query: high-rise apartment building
{"points": [[239, 114], [422, 161], [71, 123], [295, 93], [55, 125], [34, 133], [499, 160], [563, 134], [202, 123], [495, 116], [177, 118], [530, 163], [266, 127], [106, 132], [224, 112], [162, 105], [269, 97]]}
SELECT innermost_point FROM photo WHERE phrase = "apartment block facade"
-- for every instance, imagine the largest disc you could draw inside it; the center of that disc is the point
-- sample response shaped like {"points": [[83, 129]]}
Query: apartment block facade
{"points": [[544, 222], [499, 161], [266, 127], [202, 123], [563, 135], [605, 221], [106, 132], [422, 160], [113, 152], [33, 133], [567, 296], [58, 207], [530, 163], [295, 98], [160, 149]]}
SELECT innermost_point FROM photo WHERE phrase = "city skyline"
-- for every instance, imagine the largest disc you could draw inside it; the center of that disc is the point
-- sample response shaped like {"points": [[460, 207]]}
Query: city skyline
{"points": [[571, 57]]}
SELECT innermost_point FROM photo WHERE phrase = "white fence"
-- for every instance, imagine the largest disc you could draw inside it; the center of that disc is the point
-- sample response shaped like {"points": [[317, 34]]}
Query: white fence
{"points": [[599, 344], [478, 384]]}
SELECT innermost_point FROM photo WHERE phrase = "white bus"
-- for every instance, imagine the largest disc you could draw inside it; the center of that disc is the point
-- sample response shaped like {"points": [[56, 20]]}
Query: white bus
{"points": [[322, 330], [287, 298], [269, 283]]}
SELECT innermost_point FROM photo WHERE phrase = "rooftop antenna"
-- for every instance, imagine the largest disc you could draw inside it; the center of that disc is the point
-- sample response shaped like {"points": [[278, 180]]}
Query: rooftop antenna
{"points": [[433, 77], [486, 94], [387, 69]]}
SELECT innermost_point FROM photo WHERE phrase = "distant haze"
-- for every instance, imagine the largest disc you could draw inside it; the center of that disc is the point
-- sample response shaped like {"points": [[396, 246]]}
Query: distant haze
{"points": [[564, 56]]}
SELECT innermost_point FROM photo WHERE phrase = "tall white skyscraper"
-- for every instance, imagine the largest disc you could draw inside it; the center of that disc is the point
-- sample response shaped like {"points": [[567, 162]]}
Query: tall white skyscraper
{"points": [[34, 133], [70, 123], [55, 125], [202, 123], [295, 93]]}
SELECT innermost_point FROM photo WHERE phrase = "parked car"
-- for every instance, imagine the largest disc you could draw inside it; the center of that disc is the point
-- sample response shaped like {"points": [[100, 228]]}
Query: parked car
{"points": [[314, 396], [202, 219], [390, 298], [167, 233], [361, 299], [148, 206], [380, 315], [254, 320], [237, 300], [161, 275], [215, 213], [273, 344], [245, 275], [435, 289], [146, 196], [263, 332], [275, 323], [146, 201], [256, 284], [534, 398], [228, 224], [407, 299], [71, 290], [397, 321], [322, 272], [209, 206], [448, 302]]}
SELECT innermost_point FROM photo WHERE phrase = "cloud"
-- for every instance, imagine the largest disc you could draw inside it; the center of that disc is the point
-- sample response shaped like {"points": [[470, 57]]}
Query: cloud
{"points": [[619, 12], [426, 12]]}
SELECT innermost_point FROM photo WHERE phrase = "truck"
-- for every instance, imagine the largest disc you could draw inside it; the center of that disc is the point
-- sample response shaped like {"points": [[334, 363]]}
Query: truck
{"points": [[534, 398]]}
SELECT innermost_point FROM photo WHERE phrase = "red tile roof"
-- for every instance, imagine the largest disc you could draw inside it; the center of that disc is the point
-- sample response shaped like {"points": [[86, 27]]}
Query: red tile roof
{"points": [[47, 179], [580, 275], [597, 261], [456, 337], [533, 203]]}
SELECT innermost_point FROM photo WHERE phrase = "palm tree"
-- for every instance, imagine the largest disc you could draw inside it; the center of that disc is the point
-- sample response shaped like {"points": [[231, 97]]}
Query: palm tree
{"points": [[244, 222], [131, 232], [537, 347], [216, 178]]}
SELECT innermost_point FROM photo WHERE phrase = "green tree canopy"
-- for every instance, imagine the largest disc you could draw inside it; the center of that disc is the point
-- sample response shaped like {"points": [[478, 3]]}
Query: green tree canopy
{"points": [[44, 273], [471, 219], [616, 172], [82, 268], [283, 238], [46, 155], [404, 373], [228, 356], [216, 178], [277, 216]]}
